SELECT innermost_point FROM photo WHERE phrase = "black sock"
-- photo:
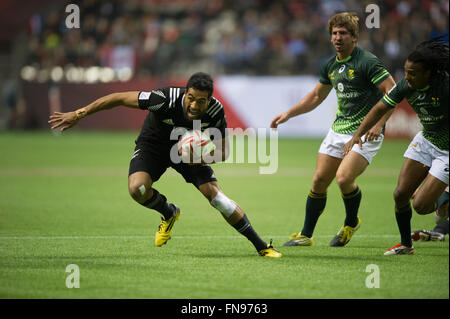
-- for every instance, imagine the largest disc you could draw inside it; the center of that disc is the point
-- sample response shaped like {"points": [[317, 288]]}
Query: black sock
{"points": [[442, 200], [159, 203], [244, 227], [315, 204], [351, 202], [403, 217]]}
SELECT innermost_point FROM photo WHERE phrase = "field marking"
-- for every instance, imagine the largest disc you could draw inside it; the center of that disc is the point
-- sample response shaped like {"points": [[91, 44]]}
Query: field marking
{"points": [[177, 237], [232, 170]]}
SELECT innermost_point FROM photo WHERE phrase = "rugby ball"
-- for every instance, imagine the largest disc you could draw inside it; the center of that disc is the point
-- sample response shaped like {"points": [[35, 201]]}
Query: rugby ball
{"points": [[197, 143]]}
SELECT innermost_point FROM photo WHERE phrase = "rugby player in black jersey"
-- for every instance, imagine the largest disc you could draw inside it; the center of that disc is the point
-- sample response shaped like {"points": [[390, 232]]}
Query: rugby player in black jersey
{"points": [[169, 109]]}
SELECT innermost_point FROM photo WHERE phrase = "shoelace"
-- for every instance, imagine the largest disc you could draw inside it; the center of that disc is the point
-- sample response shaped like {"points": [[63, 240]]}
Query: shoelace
{"points": [[342, 234], [163, 223], [270, 246]]}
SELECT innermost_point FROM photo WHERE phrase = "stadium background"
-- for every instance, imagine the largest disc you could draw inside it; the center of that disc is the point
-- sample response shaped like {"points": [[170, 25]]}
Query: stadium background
{"points": [[264, 55]]}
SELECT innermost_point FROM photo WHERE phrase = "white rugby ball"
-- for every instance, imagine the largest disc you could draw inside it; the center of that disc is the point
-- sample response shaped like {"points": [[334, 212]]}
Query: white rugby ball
{"points": [[197, 143]]}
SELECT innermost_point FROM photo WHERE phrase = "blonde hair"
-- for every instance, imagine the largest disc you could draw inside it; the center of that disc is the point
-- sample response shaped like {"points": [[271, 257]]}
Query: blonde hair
{"points": [[348, 20]]}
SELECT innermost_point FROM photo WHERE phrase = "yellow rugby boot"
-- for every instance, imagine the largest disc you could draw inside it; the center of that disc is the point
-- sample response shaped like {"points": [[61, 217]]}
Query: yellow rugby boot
{"points": [[297, 239], [270, 252], [344, 235], [164, 232]]}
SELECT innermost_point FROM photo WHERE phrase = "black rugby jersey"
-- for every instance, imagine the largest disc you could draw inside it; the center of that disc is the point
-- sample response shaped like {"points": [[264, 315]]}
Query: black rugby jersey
{"points": [[166, 113]]}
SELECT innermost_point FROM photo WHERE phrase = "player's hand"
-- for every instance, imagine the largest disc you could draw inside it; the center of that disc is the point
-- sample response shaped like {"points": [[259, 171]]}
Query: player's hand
{"points": [[373, 134], [63, 121], [348, 147], [280, 118], [188, 157]]}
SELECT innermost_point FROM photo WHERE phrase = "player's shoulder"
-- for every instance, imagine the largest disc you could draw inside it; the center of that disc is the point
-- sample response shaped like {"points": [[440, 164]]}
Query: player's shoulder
{"points": [[215, 108], [170, 94], [164, 92], [327, 67], [160, 99], [329, 61], [366, 56], [175, 91], [400, 89]]}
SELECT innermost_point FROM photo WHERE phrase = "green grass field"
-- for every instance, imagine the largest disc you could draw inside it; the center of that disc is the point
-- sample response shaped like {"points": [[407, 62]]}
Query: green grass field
{"points": [[64, 200]]}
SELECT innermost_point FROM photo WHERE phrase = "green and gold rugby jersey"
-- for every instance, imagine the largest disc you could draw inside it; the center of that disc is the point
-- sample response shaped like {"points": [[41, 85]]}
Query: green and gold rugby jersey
{"points": [[355, 80], [431, 106]]}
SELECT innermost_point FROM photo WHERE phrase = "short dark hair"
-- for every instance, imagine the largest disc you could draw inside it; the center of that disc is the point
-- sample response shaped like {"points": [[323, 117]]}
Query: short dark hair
{"points": [[201, 81]]}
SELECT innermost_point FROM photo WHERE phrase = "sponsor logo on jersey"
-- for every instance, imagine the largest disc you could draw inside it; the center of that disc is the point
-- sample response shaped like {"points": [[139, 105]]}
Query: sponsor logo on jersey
{"points": [[435, 101], [144, 95], [348, 95], [342, 68], [351, 74]]}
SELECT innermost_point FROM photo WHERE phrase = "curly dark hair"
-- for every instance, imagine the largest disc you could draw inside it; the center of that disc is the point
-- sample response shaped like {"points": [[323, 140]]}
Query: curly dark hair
{"points": [[433, 54]]}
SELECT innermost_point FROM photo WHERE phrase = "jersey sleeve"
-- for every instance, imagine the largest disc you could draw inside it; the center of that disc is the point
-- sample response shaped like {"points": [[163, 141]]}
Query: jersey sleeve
{"points": [[375, 70], [396, 94], [153, 101], [216, 113], [220, 122]]}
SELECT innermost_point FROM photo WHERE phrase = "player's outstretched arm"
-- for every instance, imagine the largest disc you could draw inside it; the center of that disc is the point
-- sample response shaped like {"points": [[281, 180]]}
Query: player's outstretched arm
{"points": [[63, 121], [375, 131], [375, 114], [312, 100]]}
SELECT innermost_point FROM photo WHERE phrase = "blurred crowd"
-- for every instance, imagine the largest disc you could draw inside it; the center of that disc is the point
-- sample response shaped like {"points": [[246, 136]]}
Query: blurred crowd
{"points": [[254, 37]]}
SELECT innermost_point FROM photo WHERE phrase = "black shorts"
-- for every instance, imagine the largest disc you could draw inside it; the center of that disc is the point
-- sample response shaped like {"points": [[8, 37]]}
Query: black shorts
{"points": [[155, 160]]}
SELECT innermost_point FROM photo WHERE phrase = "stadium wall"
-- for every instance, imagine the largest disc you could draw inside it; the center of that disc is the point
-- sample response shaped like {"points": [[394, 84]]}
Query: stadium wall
{"points": [[249, 102]]}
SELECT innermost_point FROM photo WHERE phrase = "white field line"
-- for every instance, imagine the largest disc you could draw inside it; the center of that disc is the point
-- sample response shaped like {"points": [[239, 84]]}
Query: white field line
{"points": [[177, 237]]}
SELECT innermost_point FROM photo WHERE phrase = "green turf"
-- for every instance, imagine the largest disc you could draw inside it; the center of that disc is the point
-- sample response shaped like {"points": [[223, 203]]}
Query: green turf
{"points": [[64, 200]]}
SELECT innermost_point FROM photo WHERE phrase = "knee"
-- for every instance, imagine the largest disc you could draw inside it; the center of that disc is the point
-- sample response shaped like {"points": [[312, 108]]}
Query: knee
{"points": [[421, 207], [139, 192], [320, 183], [401, 197], [343, 179], [224, 205]]}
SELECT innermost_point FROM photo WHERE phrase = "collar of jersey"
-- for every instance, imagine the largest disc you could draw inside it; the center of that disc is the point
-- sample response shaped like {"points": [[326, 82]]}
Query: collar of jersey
{"points": [[347, 58], [343, 60], [424, 89]]}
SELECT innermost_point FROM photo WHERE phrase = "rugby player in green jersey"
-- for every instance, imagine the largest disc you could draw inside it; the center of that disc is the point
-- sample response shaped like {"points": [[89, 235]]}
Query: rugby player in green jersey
{"points": [[425, 87], [360, 80]]}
